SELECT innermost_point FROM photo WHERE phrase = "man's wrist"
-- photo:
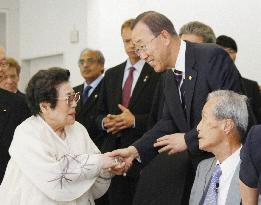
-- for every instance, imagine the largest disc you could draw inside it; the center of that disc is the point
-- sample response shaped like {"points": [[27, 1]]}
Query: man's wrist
{"points": [[134, 152]]}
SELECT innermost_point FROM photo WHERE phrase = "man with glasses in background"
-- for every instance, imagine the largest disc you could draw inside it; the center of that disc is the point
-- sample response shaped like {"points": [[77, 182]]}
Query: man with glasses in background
{"points": [[124, 107], [91, 64], [192, 71], [13, 110]]}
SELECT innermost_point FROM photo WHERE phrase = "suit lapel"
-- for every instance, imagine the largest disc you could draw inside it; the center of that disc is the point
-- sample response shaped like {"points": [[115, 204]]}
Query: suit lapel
{"points": [[233, 196], [210, 170], [142, 81], [92, 99], [190, 79], [173, 101]]}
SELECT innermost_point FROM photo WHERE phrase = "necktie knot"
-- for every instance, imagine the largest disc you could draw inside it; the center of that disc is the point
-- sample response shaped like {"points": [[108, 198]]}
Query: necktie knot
{"points": [[131, 69], [178, 76], [217, 172], [86, 93]]}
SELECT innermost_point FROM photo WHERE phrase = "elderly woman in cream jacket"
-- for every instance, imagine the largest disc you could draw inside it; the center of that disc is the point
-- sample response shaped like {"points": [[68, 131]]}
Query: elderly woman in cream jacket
{"points": [[53, 160]]}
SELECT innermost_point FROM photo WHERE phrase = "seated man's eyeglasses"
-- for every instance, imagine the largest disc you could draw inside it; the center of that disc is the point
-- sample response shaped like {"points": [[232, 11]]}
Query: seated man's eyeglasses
{"points": [[70, 98], [88, 61]]}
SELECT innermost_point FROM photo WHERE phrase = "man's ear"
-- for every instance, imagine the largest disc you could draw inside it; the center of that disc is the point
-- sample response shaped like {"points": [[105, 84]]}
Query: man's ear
{"points": [[229, 126], [44, 107], [165, 36]]}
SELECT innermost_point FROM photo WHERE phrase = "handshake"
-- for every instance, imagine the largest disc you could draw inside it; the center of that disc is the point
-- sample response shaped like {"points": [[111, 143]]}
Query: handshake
{"points": [[119, 161]]}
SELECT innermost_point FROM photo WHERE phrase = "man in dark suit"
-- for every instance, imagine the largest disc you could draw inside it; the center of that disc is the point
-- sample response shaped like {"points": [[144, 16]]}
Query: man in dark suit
{"points": [[124, 106], [251, 88], [250, 168], [91, 63], [224, 122], [13, 110], [193, 71], [150, 181]]}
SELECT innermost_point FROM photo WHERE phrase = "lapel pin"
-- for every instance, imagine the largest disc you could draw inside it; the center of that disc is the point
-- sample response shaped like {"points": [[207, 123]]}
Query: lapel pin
{"points": [[190, 77], [96, 96], [146, 78]]}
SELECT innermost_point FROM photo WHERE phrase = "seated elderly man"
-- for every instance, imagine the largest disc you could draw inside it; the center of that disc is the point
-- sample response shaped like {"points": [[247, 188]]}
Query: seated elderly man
{"points": [[224, 121]]}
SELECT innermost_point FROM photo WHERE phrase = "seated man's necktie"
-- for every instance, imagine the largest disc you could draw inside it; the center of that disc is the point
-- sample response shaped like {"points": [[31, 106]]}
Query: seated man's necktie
{"points": [[212, 193]]}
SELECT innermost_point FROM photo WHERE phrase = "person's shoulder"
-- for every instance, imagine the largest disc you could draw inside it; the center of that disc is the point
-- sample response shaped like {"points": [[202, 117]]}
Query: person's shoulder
{"points": [[29, 123], [206, 49], [78, 126], [116, 68], [12, 98], [249, 82], [207, 162], [255, 131], [78, 87]]}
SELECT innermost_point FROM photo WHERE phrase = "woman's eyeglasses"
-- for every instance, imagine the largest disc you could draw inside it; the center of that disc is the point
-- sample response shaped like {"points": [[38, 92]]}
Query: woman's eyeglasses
{"points": [[70, 98]]}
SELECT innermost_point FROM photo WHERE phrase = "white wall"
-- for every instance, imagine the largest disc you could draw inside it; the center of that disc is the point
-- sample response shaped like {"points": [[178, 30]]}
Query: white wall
{"points": [[11, 8], [45, 27]]}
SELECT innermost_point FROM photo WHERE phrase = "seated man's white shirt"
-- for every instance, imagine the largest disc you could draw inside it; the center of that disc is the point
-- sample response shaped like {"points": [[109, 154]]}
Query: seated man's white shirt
{"points": [[228, 168]]}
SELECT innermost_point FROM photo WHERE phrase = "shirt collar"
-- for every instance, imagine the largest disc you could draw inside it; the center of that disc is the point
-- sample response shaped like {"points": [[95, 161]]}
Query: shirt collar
{"points": [[230, 163], [94, 83], [138, 66], [180, 63]]}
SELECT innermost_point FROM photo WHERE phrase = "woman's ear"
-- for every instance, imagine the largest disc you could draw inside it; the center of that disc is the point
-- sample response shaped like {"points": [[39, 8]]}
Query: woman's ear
{"points": [[44, 107]]}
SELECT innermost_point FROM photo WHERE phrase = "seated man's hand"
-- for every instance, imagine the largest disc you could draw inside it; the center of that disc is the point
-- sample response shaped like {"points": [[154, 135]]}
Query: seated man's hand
{"points": [[171, 143]]}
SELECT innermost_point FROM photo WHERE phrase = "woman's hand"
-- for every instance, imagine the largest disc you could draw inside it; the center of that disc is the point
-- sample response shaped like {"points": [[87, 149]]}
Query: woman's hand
{"points": [[111, 162]]}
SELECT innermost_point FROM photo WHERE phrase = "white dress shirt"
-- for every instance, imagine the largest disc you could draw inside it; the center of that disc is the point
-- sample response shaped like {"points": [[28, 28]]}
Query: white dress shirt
{"points": [[228, 167], [136, 73], [180, 63], [94, 84]]}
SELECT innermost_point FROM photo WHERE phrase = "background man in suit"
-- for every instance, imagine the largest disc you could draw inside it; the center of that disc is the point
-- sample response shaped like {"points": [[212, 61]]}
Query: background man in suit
{"points": [[12, 76], [91, 63], [13, 110], [250, 87], [224, 122], [124, 105], [204, 68], [150, 181], [197, 32]]}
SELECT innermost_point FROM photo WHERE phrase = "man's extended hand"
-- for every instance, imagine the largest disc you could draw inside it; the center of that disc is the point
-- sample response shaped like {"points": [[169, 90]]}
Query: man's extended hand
{"points": [[127, 155], [171, 143]]}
